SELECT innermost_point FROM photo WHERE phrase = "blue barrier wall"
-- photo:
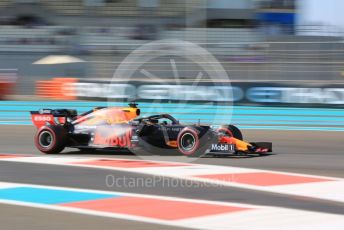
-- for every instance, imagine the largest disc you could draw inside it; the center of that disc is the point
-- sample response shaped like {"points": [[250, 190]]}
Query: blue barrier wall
{"points": [[246, 117]]}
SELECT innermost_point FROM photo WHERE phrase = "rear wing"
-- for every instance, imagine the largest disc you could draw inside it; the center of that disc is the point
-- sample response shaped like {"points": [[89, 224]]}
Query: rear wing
{"points": [[51, 116]]}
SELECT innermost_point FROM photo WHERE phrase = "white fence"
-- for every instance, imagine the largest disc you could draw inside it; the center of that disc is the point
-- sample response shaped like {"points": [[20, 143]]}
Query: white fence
{"points": [[122, 39]]}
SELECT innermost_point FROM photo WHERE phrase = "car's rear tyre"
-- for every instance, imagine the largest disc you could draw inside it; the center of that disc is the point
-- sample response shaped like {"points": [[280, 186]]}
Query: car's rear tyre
{"points": [[232, 131], [51, 139], [191, 144]]}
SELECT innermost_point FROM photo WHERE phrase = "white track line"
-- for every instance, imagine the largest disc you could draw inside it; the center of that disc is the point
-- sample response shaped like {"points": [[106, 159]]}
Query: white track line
{"points": [[330, 189], [256, 217]]}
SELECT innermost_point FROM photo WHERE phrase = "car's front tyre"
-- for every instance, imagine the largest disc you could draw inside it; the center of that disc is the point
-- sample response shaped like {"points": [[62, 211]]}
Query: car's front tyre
{"points": [[191, 144], [231, 131]]}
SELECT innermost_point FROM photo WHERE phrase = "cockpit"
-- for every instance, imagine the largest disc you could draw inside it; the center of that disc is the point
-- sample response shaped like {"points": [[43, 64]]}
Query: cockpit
{"points": [[161, 119]]}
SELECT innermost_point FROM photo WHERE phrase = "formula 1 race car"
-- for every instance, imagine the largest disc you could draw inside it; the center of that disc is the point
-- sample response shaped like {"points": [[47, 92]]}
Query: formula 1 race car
{"points": [[122, 128]]}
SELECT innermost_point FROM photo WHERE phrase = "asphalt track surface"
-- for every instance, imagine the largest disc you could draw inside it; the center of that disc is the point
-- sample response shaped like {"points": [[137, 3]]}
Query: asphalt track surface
{"points": [[311, 152]]}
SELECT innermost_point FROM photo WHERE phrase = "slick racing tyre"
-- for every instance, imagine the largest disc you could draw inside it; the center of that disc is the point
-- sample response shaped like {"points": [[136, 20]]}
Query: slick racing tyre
{"points": [[231, 131], [51, 139], [191, 144]]}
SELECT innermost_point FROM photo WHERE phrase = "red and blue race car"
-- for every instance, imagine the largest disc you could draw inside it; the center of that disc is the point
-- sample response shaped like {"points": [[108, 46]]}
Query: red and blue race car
{"points": [[123, 128]]}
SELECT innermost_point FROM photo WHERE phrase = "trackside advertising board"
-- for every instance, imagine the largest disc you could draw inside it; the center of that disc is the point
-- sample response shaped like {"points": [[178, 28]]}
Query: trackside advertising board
{"points": [[276, 93]]}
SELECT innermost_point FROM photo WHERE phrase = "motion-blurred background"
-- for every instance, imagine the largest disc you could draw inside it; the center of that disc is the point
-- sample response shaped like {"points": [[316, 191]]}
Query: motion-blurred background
{"points": [[291, 49]]}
